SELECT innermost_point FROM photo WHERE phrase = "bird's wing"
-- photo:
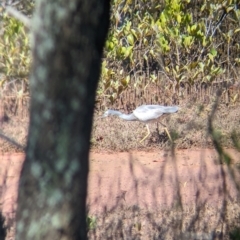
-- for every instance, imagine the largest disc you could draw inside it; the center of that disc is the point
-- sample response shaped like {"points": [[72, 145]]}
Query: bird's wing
{"points": [[152, 112]]}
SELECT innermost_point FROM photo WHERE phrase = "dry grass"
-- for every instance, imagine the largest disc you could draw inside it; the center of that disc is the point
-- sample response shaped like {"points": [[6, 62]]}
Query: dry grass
{"points": [[188, 127], [187, 223], [16, 129]]}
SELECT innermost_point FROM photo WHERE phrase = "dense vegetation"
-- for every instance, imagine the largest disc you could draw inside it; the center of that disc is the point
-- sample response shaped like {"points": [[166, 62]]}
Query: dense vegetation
{"points": [[187, 42]]}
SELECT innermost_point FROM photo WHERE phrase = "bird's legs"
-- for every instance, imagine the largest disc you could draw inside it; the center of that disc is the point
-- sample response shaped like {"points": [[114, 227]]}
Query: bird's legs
{"points": [[146, 135], [167, 132], [165, 128]]}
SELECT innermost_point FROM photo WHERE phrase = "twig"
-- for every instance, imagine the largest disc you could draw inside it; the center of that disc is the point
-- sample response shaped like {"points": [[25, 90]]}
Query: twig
{"points": [[224, 157], [18, 15], [12, 141]]}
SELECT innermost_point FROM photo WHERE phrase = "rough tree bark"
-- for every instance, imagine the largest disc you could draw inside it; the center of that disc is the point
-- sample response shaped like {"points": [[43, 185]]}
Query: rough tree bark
{"points": [[68, 39]]}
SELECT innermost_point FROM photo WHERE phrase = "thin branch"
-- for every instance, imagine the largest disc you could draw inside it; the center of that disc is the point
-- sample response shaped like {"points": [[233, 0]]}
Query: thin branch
{"points": [[12, 142], [18, 15], [223, 156]]}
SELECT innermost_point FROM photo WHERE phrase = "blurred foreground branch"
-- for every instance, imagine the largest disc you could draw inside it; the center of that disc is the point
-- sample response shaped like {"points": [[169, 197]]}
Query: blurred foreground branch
{"points": [[12, 142]]}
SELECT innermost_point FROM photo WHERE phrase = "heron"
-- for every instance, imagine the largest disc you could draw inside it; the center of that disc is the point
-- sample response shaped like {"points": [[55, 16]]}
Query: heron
{"points": [[145, 114]]}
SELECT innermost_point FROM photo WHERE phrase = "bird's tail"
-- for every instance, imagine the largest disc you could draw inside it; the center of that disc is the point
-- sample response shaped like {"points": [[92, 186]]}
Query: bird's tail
{"points": [[171, 109]]}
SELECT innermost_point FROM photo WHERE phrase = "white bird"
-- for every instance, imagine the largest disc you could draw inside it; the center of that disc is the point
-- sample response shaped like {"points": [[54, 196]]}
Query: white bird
{"points": [[146, 114]]}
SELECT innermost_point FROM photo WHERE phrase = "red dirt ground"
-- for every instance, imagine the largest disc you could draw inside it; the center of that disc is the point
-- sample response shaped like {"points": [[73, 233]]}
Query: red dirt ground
{"points": [[150, 180], [159, 179]]}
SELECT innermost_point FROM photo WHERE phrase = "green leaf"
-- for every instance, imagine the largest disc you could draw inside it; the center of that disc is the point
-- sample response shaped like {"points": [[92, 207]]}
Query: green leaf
{"points": [[167, 69], [187, 41], [193, 65], [134, 33], [130, 39], [125, 81], [229, 9], [204, 41], [145, 41], [236, 30], [193, 27], [179, 18], [213, 51], [128, 25], [127, 51], [211, 57]]}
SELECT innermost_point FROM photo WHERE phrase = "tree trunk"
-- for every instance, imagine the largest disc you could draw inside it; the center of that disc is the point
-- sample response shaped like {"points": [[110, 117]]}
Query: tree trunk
{"points": [[68, 39]]}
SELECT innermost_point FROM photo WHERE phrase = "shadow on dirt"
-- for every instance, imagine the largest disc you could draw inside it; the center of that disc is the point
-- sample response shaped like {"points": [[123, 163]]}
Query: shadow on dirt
{"points": [[178, 198]]}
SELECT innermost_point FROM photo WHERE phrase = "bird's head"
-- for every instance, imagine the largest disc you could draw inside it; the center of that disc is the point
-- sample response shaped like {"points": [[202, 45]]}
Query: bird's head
{"points": [[106, 114]]}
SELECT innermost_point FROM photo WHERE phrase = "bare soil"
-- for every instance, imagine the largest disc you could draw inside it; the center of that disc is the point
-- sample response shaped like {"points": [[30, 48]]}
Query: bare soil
{"points": [[180, 194]]}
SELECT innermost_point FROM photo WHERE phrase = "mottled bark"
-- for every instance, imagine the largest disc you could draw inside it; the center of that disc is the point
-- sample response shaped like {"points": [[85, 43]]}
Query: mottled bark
{"points": [[68, 39]]}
